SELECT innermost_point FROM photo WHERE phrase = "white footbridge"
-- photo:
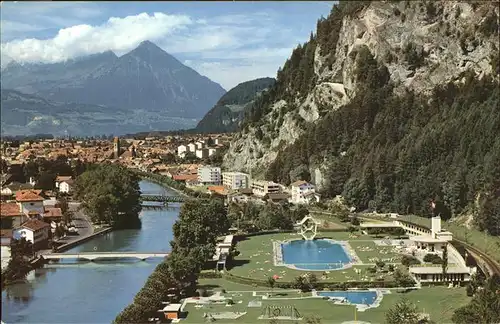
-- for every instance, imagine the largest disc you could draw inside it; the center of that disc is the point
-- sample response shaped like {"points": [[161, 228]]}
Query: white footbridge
{"points": [[91, 256]]}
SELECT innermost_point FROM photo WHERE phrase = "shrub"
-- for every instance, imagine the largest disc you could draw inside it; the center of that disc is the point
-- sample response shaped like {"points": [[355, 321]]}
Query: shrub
{"points": [[433, 258], [407, 260], [470, 290]]}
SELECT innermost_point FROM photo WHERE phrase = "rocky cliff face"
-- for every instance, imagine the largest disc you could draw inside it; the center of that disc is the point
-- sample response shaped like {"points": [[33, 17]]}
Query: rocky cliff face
{"points": [[422, 44]]}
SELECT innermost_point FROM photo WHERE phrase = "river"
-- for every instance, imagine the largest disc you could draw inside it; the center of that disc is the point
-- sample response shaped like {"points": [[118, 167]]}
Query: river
{"points": [[70, 292]]}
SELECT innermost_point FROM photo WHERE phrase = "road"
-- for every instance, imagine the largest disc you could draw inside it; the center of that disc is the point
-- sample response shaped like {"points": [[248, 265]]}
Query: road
{"points": [[82, 223]]}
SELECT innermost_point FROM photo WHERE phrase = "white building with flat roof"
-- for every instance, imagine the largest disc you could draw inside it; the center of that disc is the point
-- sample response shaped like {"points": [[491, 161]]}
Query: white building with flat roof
{"points": [[235, 180], [191, 147], [202, 153], [181, 150], [261, 187], [302, 192], [209, 175]]}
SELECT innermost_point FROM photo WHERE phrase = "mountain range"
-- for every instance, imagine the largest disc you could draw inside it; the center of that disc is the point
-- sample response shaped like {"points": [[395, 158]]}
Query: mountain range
{"points": [[146, 89]]}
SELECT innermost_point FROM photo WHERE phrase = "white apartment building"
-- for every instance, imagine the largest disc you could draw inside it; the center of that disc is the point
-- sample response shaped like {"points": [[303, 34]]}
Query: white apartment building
{"points": [[261, 188], [209, 175], [66, 186], [302, 192], [191, 147], [202, 153], [235, 180], [212, 151], [199, 145], [181, 150]]}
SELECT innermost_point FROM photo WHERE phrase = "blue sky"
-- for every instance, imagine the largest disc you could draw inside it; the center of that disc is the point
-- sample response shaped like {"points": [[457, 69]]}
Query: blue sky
{"points": [[230, 42]]}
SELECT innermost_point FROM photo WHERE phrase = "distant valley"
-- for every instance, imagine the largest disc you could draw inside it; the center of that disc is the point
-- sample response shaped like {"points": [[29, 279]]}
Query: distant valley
{"points": [[146, 89]]}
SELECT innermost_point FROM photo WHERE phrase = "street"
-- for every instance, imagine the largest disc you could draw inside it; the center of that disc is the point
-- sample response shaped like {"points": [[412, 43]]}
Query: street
{"points": [[82, 223]]}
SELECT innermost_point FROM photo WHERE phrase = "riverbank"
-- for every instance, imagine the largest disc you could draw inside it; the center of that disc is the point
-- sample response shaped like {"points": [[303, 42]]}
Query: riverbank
{"points": [[104, 287], [81, 240], [170, 184]]}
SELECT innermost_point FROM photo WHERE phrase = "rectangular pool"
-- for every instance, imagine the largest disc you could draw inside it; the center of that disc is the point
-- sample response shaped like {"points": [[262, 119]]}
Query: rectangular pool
{"points": [[363, 297]]}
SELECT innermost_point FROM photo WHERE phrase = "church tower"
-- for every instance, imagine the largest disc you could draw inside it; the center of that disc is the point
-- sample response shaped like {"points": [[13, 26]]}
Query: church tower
{"points": [[116, 147]]}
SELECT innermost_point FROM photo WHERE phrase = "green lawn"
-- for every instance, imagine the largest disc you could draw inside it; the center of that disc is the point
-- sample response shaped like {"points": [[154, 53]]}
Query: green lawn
{"points": [[256, 259], [366, 251], [439, 302]]}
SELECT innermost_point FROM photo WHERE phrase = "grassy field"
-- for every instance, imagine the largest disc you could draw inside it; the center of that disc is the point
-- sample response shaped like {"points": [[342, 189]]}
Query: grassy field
{"points": [[256, 259], [366, 251], [439, 302], [329, 222]]}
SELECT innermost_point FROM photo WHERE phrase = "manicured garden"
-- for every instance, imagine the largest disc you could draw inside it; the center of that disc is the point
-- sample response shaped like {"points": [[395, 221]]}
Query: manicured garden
{"points": [[256, 259], [439, 302]]}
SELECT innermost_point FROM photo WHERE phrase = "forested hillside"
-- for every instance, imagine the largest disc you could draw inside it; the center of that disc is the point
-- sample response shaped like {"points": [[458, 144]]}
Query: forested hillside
{"points": [[226, 115], [390, 104]]}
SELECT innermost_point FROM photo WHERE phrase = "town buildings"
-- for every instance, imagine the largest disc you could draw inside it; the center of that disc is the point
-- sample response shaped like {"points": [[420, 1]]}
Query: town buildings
{"points": [[209, 175], [28, 217], [261, 188], [35, 231], [303, 193], [235, 180]]}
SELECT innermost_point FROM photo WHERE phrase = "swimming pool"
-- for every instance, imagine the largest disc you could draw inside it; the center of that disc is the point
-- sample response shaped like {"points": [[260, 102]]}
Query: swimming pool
{"points": [[365, 297], [318, 255]]}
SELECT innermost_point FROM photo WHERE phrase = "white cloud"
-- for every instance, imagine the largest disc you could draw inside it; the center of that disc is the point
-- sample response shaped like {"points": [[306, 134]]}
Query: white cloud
{"points": [[228, 49], [117, 34]]}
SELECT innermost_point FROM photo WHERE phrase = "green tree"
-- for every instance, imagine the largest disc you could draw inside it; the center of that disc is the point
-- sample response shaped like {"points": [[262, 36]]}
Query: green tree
{"points": [[19, 265], [131, 314], [444, 265], [66, 212], [110, 194], [45, 181], [403, 312], [199, 224], [484, 306], [273, 216]]}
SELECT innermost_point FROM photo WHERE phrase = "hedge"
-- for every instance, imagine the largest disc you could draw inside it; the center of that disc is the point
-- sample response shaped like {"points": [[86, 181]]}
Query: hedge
{"points": [[210, 275], [331, 285]]}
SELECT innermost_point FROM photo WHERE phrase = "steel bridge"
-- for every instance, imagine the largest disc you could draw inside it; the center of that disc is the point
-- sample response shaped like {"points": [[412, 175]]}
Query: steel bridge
{"points": [[91, 256], [161, 198]]}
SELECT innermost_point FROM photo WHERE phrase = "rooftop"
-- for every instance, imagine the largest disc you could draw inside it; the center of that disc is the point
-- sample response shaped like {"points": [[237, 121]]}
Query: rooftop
{"points": [[29, 195], [63, 178], [427, 239], [172, 308], [35, 225], [52, 212], [381, 225], [438, 270], [9, 209], [298, 183]]}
